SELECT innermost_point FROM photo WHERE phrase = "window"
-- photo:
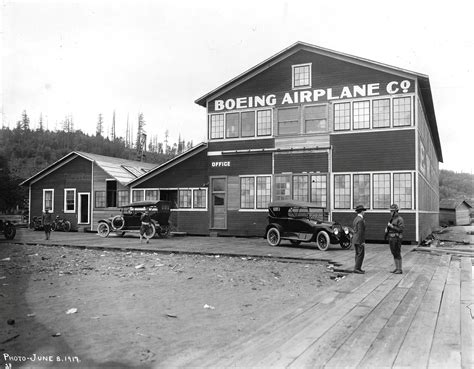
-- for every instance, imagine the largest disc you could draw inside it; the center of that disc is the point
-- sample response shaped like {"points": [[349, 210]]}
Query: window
{"points": [[361, 114], [381, 191], [199, 199], [301, 75], [138, 195], [151, 195], [315, 119], [69, 200], [282, 187], [48, 200], [402, 111], [123, 198], [264, 122], [288, 121], [319, 190], [248, 123], [264, 190], [381, 113], [300, 187], [184, 199], [342, 116], [100, 199], [247, 192], [402, 190], [361, 192], [232, 125], [217, 126], [111, 187], [342, 191]]}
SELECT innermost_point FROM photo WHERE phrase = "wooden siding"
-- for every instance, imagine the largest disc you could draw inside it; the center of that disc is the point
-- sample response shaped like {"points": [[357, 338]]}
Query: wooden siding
{"points": [[240, 164], [428, 223], [374, 151], [303, 141], [245, 223], [326, 72], [233, 193], [428, 194], [298, 163], [75, 174], [189, 173], [244, 144], [376, 223], [191, 222]]}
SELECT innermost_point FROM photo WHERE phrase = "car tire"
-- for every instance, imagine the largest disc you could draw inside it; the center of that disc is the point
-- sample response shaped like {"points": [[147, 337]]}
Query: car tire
{"points": [[103, 230], [67, 226], [10, 232], [151, 231], [118, 222], [295, 242], [322, 241], [273, 236]]}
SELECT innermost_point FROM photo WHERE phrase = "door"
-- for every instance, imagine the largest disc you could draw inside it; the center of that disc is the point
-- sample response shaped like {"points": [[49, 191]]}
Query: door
{"points": [[218, 203], [84, 208]]}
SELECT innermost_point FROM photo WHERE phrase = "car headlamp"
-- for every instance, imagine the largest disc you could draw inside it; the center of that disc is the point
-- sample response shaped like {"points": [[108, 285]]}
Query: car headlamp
{"points": [[346, 230], [336, 231]]}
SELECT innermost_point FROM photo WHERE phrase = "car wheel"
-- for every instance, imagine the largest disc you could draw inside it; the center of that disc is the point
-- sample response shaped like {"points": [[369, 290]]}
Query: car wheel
{"points": [[273, 236], [165, 232], [118, 222], [322, 241], [67, 226], [103, 230], [295, 242], [150, 231]]}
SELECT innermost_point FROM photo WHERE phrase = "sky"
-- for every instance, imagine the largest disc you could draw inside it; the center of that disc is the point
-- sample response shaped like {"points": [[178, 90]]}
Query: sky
{"points": [[82, 58]]}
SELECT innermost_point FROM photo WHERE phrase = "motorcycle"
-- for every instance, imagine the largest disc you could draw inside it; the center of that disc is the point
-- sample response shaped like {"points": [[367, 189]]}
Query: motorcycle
{"points": [[8, 229], [36, 224], [61, 225]]}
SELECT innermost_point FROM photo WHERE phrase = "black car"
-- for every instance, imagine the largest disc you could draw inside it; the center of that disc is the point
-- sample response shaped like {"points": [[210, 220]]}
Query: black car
{"points": [[129, 219], [8, 229], [299, 221]]}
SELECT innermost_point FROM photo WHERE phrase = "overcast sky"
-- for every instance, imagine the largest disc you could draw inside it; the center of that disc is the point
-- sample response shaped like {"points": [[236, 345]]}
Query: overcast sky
{"points": [[86, 57]]}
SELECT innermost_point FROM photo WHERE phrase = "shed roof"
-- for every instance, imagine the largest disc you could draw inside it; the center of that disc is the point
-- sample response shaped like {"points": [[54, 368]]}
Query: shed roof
{"points": [[452, 204], [123, 170], [424, 82]]}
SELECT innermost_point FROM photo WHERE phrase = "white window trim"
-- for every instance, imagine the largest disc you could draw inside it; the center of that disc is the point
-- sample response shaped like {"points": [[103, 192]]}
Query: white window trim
{"points": [[210, 127], [192, 208], [52, 199], [254, 208], [293, 76], [65, 200]]}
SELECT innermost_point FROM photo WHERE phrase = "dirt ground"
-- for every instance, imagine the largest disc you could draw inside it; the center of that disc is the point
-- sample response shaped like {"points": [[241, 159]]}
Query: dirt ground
{"points": [[72, 308]]}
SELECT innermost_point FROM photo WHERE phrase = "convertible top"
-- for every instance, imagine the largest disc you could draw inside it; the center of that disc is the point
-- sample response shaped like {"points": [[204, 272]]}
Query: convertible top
{"points": [[293, 204], [143, 204]]}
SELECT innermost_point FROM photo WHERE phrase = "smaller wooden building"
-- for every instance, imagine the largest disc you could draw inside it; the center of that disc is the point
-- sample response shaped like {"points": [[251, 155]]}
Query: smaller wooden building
{"points": [[454, 212], [83, 187]]}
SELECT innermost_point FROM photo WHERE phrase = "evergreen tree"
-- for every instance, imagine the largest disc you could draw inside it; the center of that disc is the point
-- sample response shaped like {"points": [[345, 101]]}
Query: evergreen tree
{"points": [[25, 121], [100, 126], [40, 123], [112, 131]]}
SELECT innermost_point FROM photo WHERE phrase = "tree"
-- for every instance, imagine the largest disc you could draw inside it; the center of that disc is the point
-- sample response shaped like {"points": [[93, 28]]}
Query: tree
{"points": [[25, 121], [40, 123], [141, 137], [68, 124], [112, 131], [100, 126]]}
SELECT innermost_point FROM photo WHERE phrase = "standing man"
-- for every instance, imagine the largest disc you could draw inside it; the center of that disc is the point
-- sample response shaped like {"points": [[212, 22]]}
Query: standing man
{"points": [[394, 232], [359, 238], [146, 220], [47, 222]]}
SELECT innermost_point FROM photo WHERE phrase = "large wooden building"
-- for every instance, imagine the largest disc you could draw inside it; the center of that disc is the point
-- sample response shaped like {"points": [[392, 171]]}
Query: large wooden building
{"points": [[315, 125]]}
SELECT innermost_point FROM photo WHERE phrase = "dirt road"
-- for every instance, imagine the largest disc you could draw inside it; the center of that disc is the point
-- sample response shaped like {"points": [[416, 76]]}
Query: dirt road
{"points": [[71, 308]]}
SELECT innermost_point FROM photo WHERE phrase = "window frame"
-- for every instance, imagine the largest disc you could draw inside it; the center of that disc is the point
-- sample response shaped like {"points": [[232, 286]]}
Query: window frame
{"points": [[358, 202], [65, 209], [104, 193], [389, 113], [52, 199], [298, 121], [324, 203], [211, 116], [397, 201], [305, 128], [349, 201], [293, 79], [255, 197], [385, 206], [349, 123], [410, 99], [257, 126]]}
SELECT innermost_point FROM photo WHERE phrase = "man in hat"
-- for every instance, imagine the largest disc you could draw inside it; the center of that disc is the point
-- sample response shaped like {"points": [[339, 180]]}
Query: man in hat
{"points": [[359, 238], [394, 232]]}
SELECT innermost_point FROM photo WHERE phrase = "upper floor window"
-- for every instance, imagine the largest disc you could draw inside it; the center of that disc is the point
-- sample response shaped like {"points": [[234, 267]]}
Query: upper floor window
{"points": [[232, 125], [248, 124], [264, 122], [342, 116], [288, 121], [315, 119], [381, 113], [301, 75], [216, 126], [402, 111], [361, 114]]}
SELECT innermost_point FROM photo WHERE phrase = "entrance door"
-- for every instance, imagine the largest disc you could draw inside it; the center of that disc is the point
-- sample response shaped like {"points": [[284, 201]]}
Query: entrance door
{"points": [[84, 206], [218, 204]]}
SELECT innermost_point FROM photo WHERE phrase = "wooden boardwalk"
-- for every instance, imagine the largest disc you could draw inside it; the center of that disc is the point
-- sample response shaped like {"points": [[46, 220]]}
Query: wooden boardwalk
{"points": [[420, 319]]}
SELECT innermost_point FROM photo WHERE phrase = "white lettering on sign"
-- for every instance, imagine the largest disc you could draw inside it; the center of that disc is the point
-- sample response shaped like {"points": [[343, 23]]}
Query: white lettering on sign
{"points": [[220, 163], [308, 96]]}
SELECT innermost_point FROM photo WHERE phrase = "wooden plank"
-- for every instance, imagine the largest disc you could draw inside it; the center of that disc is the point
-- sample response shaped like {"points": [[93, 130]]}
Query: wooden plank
{"points": [[415, 349], [467, 313], [446, 347]]}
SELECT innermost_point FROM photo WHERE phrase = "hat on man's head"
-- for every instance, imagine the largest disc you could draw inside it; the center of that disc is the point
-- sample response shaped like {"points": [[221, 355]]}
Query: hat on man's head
{"points": [[394, 207], [360, 208]]}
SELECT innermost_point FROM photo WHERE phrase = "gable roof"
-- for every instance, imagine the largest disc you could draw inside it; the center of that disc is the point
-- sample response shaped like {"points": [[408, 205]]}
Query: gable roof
{"points": [[452, 204], [123, 170], [170, 163], [423, 80]]}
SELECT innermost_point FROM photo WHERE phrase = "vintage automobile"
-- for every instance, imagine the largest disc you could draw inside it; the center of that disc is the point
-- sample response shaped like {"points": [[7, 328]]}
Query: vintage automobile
{"points": [[8, 229], [129, 220], [298, 221]]}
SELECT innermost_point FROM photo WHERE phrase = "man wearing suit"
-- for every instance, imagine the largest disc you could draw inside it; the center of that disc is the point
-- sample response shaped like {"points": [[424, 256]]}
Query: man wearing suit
{"points": [[359, 238]]}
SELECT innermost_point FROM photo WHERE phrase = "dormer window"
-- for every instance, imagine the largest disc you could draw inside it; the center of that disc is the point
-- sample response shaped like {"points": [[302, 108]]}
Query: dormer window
{"points": [[301, 75]]}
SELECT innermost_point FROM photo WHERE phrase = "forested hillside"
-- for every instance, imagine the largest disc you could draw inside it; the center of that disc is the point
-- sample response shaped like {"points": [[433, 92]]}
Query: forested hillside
{"points": [[454, 185]]}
